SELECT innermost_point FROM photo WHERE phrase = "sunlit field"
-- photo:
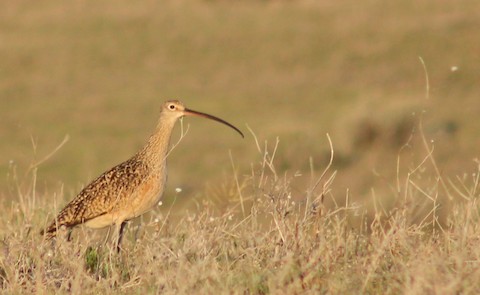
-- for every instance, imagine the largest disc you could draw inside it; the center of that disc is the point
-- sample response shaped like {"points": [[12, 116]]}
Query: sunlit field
{"points": [[358, 174]]}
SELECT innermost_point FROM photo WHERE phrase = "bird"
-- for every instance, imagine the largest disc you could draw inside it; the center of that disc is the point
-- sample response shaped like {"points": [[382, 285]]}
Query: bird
{"points": [[130, 188]]}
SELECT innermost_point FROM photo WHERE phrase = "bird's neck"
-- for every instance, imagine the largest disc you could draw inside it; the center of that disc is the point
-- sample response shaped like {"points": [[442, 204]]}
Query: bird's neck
{"points": [[156, 149]]}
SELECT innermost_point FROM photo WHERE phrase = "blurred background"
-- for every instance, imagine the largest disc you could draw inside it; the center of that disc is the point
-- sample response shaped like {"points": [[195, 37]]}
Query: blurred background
{"points": [[98, 72]]}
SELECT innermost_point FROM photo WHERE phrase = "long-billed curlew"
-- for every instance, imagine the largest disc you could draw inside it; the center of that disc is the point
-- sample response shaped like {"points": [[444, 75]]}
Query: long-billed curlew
{"points": [[131, 188]]}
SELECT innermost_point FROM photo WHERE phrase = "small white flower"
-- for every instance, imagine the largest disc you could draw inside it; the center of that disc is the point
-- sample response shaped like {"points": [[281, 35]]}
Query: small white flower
{"points": [[289, 196], [178, 190], [160, 203], [230, 217], [454, 68], [212, 219], [156, 220]]}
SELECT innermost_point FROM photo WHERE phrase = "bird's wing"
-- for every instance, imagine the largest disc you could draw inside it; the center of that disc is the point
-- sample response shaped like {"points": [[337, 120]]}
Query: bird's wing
{"points": [[102, 194]]}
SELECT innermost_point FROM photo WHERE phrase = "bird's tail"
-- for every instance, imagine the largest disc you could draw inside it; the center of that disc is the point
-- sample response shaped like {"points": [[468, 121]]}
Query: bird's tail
{"points": [[49, 232]]}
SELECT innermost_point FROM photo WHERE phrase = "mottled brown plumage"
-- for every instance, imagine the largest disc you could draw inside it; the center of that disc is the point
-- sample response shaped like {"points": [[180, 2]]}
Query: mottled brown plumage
{"points": [[131, 188]]}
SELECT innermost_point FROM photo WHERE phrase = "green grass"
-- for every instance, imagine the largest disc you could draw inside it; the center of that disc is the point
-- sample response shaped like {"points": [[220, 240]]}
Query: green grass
{"points": [[390, 222], [293, 70]]}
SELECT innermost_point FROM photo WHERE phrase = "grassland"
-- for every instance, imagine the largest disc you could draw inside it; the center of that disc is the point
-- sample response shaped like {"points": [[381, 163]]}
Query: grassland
{"points": [[396, 211]]}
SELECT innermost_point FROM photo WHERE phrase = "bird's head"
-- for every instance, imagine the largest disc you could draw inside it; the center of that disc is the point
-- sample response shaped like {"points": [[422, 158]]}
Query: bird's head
{"points": [[175, 109]]}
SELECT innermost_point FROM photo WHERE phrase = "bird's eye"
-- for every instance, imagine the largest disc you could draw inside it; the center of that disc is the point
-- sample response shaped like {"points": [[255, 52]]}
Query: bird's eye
{"points": [[172, 106]]}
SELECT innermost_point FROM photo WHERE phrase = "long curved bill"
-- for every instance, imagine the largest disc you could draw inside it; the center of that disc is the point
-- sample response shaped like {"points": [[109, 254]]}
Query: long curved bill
{"points": [[189, 112]]}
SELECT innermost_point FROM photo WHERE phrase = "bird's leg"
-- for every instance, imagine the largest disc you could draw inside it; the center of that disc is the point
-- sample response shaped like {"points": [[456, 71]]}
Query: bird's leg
{"points": [[120, 235], [69, 235]]}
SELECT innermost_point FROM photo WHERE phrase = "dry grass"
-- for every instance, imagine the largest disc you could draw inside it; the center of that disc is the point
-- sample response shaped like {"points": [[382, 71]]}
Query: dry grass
{"points": [[393, 214], [293, 69], [276, 244]]}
